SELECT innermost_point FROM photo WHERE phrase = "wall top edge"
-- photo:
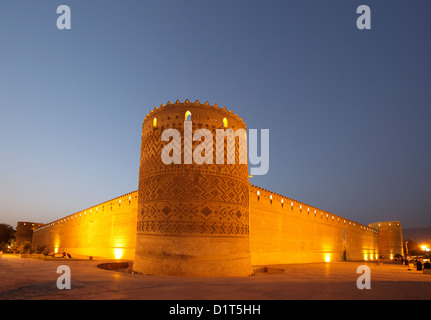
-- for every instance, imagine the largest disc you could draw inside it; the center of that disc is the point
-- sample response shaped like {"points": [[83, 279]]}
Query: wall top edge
{"points": [[275, 196], [96, 205], [187, 103]]}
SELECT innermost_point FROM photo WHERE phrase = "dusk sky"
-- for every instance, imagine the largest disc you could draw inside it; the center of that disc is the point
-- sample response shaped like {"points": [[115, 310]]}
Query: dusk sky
{"points": [[349, 110]]}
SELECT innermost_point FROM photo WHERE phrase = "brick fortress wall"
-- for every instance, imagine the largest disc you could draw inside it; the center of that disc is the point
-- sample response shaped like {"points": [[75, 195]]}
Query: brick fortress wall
{"points": [[284, 230], [189, 219], [104, 230]]}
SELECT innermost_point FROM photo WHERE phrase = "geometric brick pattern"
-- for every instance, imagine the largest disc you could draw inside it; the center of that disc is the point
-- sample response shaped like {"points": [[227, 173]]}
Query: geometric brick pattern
{"points": [[193, 211], [210, 199], [201, 187], [200, 218], [191, 228]]}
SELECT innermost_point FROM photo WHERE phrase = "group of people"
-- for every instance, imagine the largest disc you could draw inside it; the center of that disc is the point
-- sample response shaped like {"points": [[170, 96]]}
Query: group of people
{"points": [[417, 262], [420, 266], [64, 255]]}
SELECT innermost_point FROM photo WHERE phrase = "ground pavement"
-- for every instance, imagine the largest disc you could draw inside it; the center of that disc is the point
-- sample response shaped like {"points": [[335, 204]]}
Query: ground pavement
{"points": [[29, 279]]}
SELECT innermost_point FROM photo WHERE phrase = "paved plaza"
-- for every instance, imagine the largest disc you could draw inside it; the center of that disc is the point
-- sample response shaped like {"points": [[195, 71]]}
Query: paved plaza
{"points": [[27, 278]]}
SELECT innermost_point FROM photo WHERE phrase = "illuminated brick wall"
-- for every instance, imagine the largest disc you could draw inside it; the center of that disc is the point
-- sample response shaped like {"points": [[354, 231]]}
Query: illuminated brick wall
{"points": [[283, 230], [207, 219], [279, 232], [104, 230], [390, 238]]}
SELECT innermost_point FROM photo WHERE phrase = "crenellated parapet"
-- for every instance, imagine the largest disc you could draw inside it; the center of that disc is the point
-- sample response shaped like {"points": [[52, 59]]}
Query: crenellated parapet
{"points": [[170, 111], [290, 205], [98, 209]]}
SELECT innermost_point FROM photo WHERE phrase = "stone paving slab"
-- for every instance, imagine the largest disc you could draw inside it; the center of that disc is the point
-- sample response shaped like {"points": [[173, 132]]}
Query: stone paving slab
{"points": [[32, 279]]}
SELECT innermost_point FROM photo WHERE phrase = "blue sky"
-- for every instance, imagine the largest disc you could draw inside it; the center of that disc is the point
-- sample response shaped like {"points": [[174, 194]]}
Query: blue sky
{"points": [[349, 111]]}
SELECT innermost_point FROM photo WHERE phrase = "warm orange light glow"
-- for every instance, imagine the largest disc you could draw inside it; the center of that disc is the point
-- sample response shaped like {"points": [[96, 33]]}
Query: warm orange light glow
{"points": [[118, 253], [188, 116], [56, 243], [155, 122], [225, 122], [327, 258]]}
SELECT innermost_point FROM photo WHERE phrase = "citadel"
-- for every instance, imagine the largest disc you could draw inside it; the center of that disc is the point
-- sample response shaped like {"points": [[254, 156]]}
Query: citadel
{"points": [[207, 219]]}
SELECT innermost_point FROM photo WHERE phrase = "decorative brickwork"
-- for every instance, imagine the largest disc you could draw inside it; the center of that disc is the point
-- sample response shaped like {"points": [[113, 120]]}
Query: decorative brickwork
{"points": [[208, 201]]}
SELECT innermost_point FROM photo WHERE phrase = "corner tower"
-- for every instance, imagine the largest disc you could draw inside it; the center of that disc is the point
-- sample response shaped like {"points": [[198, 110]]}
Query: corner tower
{"points": [[193, 219], [390, 238]]}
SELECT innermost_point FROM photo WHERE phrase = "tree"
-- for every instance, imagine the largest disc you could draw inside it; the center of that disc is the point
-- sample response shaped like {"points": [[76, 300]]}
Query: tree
{"points": [[413, 247], [26, 247], [7, 233]]}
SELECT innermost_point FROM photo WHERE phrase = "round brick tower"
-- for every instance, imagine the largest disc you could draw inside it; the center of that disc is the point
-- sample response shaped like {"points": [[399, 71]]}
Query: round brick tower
{"points": [[193, 217]]}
